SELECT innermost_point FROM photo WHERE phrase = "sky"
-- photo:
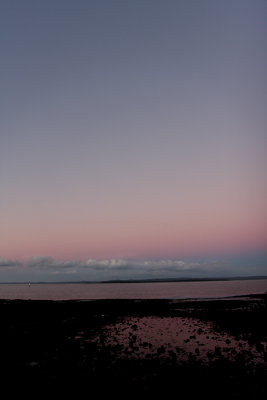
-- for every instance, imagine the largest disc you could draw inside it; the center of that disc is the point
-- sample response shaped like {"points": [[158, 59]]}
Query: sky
{"points": [[132, 138]]}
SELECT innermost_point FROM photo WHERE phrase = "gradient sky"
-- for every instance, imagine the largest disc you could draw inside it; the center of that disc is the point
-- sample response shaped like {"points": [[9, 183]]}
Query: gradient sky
{"points": [[133, 130]]}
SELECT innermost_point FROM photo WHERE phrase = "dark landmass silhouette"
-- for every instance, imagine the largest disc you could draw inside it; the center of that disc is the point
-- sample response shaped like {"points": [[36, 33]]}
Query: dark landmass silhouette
{"points": [[147, 280]]}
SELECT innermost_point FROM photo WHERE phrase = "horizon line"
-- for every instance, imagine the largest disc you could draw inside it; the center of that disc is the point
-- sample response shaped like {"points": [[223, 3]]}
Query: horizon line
{"points": [[148, 280]]}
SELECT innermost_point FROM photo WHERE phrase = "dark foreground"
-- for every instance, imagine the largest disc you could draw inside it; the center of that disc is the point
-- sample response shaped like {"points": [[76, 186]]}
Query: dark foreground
{"points": [[126, 348]]}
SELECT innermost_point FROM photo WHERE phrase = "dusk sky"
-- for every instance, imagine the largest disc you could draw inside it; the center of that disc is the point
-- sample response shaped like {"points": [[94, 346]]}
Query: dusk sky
{"points": [[133, 138]]}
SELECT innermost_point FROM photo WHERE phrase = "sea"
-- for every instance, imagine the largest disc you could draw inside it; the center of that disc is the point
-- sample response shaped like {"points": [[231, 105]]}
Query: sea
{"points": [[133, 290]]}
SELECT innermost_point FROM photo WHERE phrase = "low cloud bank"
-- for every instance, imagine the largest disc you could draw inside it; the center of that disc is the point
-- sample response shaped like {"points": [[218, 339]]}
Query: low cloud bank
{"points": [[120, 268], [5, 262], [51, 263], [47, 268]]}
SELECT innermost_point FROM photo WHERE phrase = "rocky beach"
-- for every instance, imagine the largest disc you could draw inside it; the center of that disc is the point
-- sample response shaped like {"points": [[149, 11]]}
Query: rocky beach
{"points": [[214, 348]]}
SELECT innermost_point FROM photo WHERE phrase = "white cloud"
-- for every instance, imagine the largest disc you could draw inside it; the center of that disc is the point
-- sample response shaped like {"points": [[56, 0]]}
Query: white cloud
{"points": [[121, 268], [5, 262], [40, 262], [50, 262], [152, 265], [112, 263]]}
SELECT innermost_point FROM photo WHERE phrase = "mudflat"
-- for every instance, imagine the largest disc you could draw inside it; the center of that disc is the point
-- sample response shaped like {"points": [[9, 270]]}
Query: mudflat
{"points": [[159, 348]]}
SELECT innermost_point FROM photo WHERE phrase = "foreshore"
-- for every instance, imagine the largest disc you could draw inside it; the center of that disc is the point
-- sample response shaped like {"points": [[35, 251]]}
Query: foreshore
{"points": [[216, 348]]}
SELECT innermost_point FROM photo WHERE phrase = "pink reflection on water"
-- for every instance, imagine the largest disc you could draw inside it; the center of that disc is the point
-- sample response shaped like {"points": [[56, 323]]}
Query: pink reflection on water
{"points": [[145, 290]]}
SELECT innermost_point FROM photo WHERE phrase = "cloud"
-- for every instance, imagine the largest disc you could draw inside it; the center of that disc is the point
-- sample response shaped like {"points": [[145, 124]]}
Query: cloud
{"points": [[52, 264], [40, 262], [121, 268], [5, 262], [112, 263], [153, 265]]}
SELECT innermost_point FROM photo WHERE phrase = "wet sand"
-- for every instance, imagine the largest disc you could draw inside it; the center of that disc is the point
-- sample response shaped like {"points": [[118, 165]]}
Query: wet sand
{"points": [[170, 348]]}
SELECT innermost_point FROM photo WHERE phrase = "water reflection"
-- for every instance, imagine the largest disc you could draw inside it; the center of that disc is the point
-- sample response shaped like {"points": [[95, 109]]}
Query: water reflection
{"points": [[157, 290]]}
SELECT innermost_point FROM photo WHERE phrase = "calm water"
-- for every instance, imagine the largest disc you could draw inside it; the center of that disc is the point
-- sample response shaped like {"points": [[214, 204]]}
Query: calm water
{"points": [[159, 290]]}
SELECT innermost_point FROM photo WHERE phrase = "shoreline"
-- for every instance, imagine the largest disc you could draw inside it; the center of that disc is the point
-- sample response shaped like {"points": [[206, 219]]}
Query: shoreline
{"points": [[242, 297]]}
